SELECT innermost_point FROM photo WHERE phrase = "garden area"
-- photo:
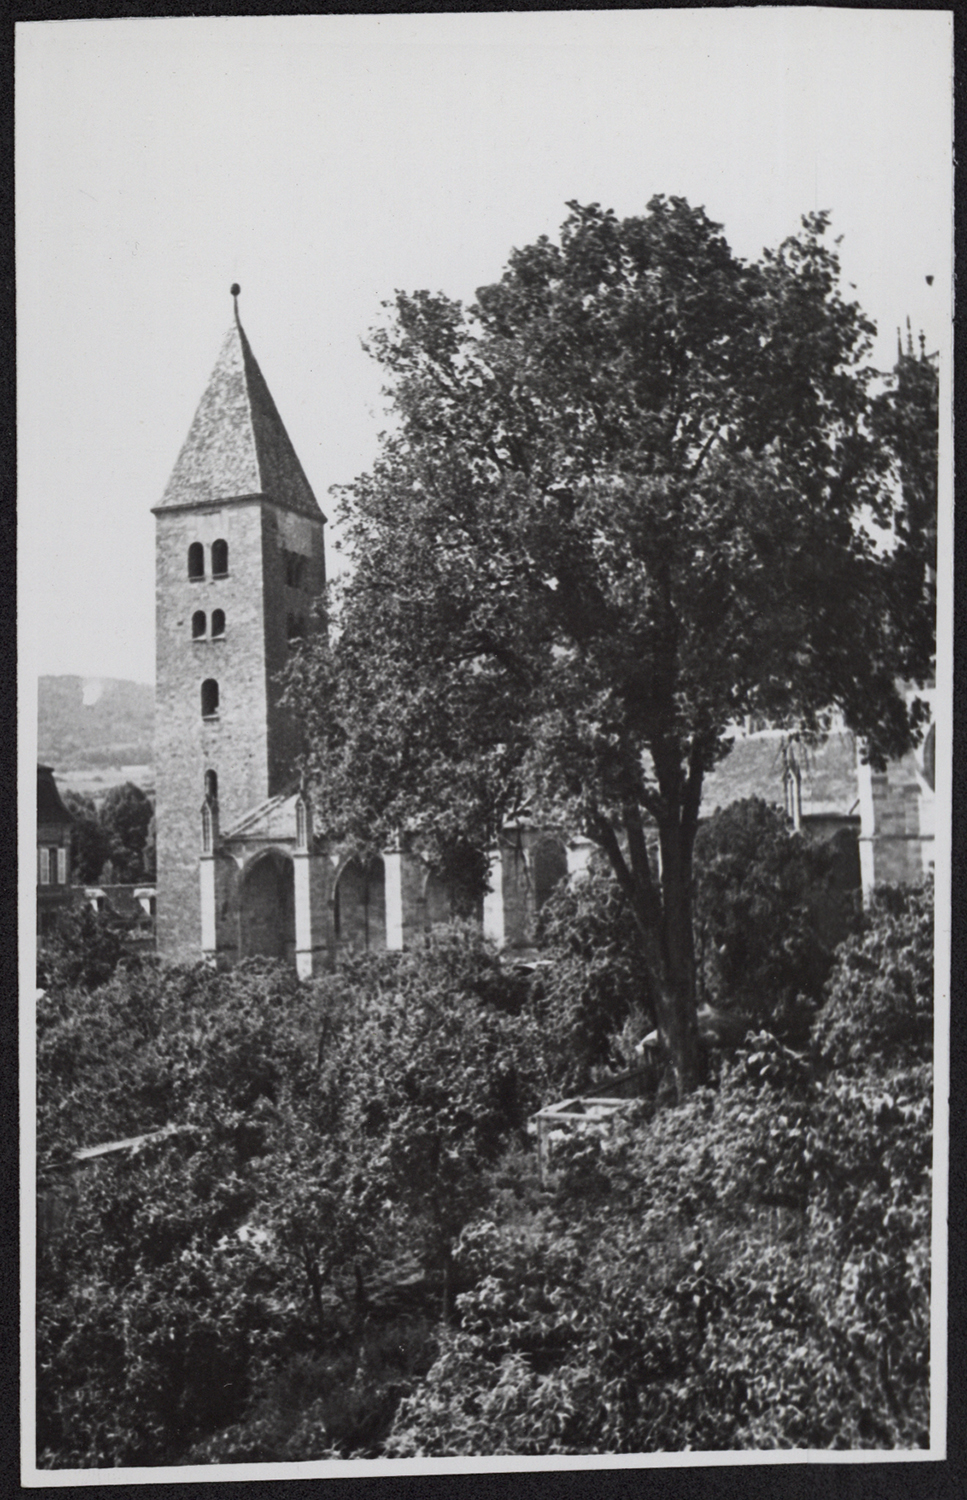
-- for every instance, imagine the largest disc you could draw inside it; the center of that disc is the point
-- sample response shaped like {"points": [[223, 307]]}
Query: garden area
{"points": [[331, 1237]]}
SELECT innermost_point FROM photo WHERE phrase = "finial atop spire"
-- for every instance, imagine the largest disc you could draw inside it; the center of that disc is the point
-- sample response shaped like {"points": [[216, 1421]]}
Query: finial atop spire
{"points": [[235, 289]]}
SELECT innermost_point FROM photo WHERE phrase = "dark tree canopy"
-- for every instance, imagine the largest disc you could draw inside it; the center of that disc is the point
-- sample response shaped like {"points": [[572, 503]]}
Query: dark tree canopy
{"points": [[90, 840], [126, 816], [619, 508]]}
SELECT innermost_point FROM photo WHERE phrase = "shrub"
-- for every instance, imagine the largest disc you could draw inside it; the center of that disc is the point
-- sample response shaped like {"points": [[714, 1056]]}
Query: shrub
{"points": [[749, 1269], [323, 1169], [592, 985], [760, 890], [83, 950], [880, 993]]}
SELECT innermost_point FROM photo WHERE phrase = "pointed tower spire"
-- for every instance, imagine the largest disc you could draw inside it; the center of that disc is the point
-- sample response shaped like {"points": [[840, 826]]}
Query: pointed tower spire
{"points": [[237, 447]]}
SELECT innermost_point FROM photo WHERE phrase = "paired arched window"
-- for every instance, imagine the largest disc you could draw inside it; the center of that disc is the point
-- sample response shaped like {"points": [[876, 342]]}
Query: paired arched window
{"points": [[209, 698], [199, 625], [219, 558], [196, 560]]}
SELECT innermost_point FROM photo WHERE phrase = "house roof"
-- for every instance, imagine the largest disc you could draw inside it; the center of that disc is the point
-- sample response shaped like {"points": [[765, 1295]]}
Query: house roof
{"points": [[50, 809], [237, 446]]}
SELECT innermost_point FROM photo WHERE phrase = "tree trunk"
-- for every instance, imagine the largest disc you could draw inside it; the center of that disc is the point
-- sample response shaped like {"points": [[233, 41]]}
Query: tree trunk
{"points": [[664, 922], [683, 1043]]}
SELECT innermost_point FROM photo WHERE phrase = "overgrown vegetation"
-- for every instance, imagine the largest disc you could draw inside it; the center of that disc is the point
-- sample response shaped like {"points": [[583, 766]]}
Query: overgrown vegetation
{"points": [[346, 1248], [115, 843], [624, 501]]}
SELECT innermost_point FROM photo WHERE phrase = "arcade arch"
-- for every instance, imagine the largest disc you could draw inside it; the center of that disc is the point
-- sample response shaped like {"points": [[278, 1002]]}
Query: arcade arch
{"points": [[266, 914], [359, 905]]}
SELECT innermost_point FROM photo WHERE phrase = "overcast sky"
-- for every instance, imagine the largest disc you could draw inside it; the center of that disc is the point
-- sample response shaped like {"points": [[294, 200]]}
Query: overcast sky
{"points": [[324, 161]]}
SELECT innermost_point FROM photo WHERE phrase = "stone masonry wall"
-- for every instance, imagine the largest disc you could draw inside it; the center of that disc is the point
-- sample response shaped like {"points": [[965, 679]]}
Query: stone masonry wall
{"points": [[233, 743]]}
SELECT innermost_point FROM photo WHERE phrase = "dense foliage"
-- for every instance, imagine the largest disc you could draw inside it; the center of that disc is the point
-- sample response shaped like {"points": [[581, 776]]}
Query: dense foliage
{"points": [[344, 1246], [587, 991], [880, 993], [113, 844], [90, 840], [620, 506], [748, 1269], [83, 947], [332, 1140], [765, 907], [770, 907]]}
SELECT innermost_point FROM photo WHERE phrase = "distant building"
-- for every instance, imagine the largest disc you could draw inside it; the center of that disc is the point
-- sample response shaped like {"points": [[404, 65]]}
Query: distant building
{"points": [[240, 559], [54, 825]]}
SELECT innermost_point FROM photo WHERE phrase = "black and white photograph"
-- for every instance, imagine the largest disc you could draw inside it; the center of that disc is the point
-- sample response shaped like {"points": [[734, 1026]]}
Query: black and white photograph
{"points": [[485, 560]]}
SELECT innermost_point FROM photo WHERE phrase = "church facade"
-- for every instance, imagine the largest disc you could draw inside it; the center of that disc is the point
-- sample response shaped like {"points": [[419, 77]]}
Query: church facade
{"points": [[240, 559]]}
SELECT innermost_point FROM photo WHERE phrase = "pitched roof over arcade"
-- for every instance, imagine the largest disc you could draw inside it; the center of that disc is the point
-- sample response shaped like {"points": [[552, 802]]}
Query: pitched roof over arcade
{"points": [[754, 768], [237, 446]]}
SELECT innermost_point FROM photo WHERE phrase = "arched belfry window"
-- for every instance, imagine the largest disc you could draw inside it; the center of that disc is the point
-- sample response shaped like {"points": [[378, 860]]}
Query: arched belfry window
{"points": [[196, 560], [218, 624], [198, 625], [209, 698], [219, 558]]}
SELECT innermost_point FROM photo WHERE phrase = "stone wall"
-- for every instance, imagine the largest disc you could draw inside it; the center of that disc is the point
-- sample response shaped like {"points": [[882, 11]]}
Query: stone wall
{"points": [[250, 743]]}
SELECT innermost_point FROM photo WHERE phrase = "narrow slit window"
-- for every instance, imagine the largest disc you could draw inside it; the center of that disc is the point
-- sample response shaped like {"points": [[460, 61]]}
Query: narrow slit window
{"points": [[211, 786], [219, 559], [295, 569], [209, 698], [218, 624], [198, 625], [196, 560]]}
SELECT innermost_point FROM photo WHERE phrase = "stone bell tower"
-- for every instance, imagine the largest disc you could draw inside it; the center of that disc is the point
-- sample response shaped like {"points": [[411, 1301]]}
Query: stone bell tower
{"points": [[239, 561]]}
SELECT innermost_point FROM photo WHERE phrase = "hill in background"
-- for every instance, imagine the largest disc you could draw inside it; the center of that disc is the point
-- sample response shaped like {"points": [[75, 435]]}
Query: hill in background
{"points": [[94, 723]]}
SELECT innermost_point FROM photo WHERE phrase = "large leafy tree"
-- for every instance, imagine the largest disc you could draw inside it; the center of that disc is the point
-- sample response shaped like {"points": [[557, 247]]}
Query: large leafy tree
{"points": [[90, 840], [126, 816], [619, 508]]}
